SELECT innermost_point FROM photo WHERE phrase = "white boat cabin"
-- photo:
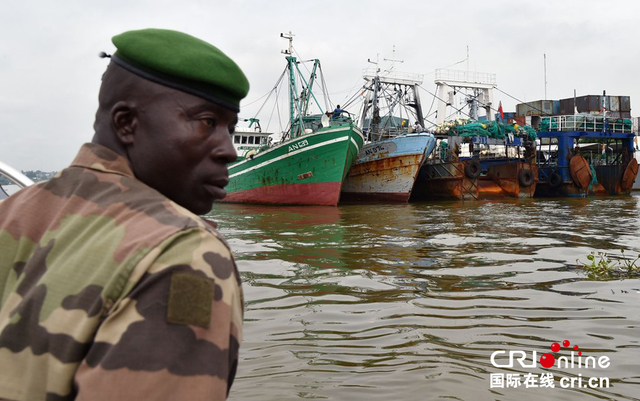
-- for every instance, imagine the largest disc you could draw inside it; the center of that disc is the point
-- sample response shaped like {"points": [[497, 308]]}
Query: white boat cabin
{"points": [[248, 143]]}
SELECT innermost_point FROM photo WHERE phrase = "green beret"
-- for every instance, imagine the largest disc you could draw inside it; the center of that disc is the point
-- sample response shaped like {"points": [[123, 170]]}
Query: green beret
{"points": [[182, 62]]}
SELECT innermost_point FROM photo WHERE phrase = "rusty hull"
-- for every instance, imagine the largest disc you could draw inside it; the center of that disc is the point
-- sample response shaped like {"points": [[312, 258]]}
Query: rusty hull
{"points": [[385, 179], [447, 181], [502, 181]]}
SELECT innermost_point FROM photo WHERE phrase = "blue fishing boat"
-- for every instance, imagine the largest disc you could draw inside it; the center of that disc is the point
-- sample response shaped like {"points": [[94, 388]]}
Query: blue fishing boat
{"points": [[584, 154]]}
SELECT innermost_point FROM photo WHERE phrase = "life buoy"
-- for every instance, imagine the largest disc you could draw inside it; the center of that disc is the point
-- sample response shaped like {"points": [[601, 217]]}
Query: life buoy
{"points": [[629, 175], [250, 154], [555, 180], [472, 169], [525, 177]]}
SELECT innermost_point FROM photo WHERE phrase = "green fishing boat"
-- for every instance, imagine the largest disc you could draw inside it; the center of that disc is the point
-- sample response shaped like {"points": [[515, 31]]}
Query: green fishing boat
{"points": [[309, 164]]}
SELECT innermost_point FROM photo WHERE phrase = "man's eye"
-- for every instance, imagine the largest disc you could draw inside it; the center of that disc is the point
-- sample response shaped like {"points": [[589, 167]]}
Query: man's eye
{"points": [[208, 122]]}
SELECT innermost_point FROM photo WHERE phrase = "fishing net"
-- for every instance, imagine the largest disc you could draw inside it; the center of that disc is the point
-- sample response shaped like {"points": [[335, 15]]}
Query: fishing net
{"points": [[491, 129]]}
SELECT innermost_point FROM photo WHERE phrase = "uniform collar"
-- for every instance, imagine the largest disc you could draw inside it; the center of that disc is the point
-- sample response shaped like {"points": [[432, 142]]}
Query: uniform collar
{"points": [[100, 158]]}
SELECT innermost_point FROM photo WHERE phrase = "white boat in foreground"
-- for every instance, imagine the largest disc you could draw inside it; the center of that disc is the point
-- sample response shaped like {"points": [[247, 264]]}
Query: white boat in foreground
{"points": [[15, 177]]}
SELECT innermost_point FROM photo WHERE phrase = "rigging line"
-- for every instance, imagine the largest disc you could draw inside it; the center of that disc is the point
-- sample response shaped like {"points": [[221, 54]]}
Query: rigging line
{"points": [[352, 99], [273, 109], [433, 100], [490, 107], [481, 103], [325, 91], [454, 64], [426, 118], [350, 90], [356, 95], [518, 100], [303, 62], [275, 87], [258, 99], [444, 68], [458, 110]]}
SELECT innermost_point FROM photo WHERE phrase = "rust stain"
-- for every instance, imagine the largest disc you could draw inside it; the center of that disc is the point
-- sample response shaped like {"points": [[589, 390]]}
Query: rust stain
{"points": [[305, 175], [448, 181]]}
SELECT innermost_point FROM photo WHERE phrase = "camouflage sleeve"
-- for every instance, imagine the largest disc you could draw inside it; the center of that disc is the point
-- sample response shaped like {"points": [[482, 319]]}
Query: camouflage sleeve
{"points": [[176, 333]]}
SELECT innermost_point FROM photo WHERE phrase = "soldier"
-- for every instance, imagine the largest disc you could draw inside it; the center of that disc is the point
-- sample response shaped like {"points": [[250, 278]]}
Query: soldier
{"points": [[111, 286]]}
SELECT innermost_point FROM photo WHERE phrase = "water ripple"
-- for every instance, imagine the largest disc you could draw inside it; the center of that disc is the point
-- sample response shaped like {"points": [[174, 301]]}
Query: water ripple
{"points": [[409, 302]]}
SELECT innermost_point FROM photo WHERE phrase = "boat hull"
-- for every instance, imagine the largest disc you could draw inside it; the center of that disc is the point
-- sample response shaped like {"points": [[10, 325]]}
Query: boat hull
{"points": [[386, 170], [450, 181], [636, 183], [608, 182], [307, 170]]}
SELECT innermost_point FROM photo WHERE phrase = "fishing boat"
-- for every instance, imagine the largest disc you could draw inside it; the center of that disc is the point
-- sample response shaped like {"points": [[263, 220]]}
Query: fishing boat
{"points": [[476, 157], [478, 160], [308, 165], [247, 142], [636, 153], [387, 165], [584, 154]]}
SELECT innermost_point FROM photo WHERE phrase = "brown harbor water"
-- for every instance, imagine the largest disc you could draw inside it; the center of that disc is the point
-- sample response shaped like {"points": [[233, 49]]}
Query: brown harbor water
{"points": [[409, 302]]}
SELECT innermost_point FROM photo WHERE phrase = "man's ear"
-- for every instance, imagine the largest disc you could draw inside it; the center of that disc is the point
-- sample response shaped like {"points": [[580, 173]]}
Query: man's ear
{"points": [[124, 121]]}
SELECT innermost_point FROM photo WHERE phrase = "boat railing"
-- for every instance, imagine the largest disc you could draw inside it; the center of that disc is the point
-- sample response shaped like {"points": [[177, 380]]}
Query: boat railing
{"points": [[393, 77], [587, 123], [446, 151], [465, 76], [387, 133]]}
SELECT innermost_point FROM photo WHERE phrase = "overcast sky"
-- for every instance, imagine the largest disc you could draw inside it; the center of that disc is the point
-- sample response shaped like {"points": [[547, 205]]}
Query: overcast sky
{"points": [[50, 71]]}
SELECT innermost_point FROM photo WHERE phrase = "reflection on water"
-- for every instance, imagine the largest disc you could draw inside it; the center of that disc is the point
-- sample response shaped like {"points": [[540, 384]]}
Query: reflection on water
{"points": [[408, 302]]}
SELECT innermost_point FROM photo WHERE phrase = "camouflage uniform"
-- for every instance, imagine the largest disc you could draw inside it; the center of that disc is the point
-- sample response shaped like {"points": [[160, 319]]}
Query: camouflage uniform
{"points": [[108, 290]]}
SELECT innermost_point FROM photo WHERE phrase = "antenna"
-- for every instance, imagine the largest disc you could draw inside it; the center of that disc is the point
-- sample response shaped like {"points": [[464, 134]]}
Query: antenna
{"points": [[377, 62], [288, 36], [467, 75], [545, 76], [393, 60]]}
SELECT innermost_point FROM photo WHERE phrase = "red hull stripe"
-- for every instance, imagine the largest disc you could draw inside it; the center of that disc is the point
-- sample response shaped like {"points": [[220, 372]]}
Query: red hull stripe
{"points": [[318, 193]]}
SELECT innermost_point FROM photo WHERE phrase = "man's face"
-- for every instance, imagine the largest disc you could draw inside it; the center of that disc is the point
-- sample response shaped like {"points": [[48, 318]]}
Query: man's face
{"points": [[182, 147]]}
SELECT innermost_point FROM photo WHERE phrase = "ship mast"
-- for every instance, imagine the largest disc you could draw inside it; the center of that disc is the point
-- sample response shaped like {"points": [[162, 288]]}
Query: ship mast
{"points": [[291, 62]]}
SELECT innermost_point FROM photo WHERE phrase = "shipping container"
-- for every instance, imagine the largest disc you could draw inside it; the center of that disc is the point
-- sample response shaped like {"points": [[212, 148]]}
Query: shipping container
{"points": [[625, 103], [507, 115], [536, 108], [614, 103], [520, 120], [582, 104], [594, 104], [566, 107]]}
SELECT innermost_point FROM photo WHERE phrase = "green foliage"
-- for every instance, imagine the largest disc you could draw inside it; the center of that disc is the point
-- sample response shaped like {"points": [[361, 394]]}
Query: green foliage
{"points": [[601, 266]]}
